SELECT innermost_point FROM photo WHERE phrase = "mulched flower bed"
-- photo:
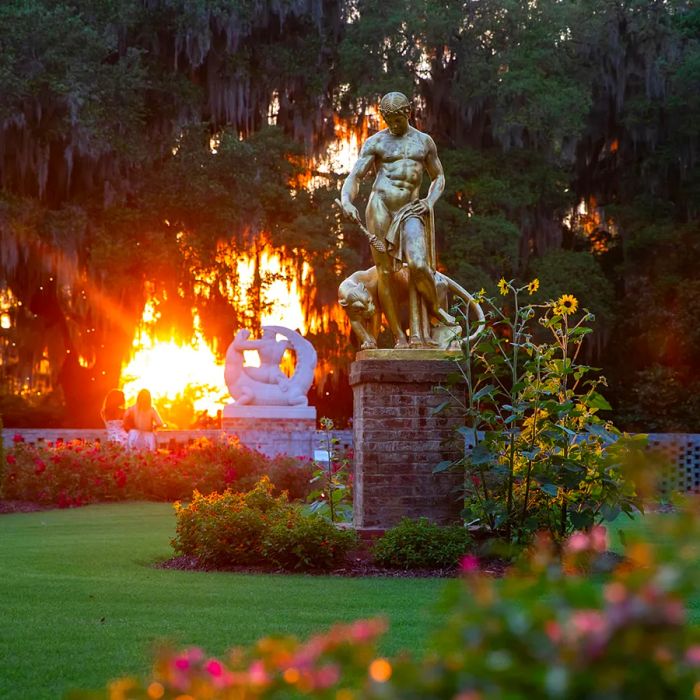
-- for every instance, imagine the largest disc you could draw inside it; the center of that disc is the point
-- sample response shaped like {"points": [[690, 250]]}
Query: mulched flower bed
{"points": [[356, 566], [22, 507]]}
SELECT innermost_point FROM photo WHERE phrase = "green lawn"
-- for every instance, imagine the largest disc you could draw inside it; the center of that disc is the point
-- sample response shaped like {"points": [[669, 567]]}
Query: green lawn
{"points": [[81, 602]]}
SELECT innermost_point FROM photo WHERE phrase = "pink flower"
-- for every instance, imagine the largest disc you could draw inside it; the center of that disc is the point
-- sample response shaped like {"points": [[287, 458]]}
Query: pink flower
{"points": [[692, 655], [214, 668], [194, 654], [365, 630], [469, 564], [599, 539], [589, 622], [257, 673], [578, 542], [327, 676], [181, 663]]}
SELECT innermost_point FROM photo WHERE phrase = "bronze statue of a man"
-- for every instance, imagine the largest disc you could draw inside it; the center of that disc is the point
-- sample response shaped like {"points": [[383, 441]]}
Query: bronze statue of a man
{"points": [[399, 218]]}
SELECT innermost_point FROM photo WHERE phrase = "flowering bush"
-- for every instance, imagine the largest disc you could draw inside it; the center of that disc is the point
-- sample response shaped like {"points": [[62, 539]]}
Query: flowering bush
{"points": [[543, 458], [327, 665], [257, 527], [548, 631], [543, 631], [420, 544], [72, 474]]}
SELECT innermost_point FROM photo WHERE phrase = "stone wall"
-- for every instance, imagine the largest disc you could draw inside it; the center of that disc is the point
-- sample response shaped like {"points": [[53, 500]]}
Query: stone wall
{"points": [[313, 440]]}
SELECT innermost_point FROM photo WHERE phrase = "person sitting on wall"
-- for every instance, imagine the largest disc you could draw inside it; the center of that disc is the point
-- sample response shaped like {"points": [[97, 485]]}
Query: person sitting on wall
{"points": [[112, 413], [141, 420]]}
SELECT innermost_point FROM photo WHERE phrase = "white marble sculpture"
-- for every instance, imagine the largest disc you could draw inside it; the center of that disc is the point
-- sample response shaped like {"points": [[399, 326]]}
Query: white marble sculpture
{"points": [[267, 385]]}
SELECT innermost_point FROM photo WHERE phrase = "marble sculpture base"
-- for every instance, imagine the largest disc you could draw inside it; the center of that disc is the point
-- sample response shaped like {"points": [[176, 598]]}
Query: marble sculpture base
{"points": [[272, 430]]}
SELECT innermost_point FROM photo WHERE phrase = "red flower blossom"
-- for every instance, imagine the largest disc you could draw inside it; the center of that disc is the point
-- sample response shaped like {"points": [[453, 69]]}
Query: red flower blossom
{"points": [[469, 564]]}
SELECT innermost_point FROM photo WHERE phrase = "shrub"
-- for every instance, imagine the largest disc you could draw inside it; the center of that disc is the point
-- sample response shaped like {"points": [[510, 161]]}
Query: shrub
{"points": [[75, 473], [228, 529], [257, 528], [420, 544], [307, 542]]}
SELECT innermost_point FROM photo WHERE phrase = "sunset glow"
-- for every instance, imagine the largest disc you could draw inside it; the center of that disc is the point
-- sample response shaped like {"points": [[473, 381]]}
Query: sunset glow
{"points": [[187, 368]]}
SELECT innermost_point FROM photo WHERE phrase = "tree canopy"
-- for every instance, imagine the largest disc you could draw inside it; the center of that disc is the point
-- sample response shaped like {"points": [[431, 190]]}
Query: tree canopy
{"points": [[143, 144]]}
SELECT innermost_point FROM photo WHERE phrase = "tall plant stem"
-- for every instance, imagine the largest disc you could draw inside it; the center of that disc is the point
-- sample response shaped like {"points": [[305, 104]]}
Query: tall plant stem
{"points": [[533, 436], [562, 399], [514, 381], [329, 474], [562, 523]]}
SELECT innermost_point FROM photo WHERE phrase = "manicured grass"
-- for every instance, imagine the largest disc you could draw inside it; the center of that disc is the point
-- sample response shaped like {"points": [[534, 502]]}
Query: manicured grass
{"points": [[81, 602]]}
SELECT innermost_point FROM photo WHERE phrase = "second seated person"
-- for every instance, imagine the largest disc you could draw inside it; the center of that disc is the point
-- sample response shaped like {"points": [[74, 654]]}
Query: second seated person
{"points": [[141, 420]]}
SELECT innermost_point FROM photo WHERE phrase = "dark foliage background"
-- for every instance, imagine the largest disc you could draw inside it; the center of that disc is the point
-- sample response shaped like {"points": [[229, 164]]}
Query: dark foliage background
{"points": [[569, 132]]}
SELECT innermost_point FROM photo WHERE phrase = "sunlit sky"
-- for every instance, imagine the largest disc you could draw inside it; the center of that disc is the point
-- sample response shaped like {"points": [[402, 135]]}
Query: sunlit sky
{"points": [[171, 368]]}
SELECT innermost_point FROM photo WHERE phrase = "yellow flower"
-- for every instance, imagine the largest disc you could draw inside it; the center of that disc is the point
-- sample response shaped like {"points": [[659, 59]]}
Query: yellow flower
{"points": [[566, 304], [533, 286], [503, 286]]}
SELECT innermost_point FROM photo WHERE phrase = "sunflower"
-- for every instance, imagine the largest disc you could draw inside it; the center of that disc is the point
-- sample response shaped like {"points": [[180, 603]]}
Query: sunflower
{"points": [[533, 286], [503, 286], [566, 304], [481, 294]]}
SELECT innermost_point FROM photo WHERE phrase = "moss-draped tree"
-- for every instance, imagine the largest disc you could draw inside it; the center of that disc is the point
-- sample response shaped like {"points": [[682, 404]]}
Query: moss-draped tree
{"points": [[109, 180]]}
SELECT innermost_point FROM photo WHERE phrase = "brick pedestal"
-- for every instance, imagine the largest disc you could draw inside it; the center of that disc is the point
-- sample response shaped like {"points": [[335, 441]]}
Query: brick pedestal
{"points": [[398, 441]]}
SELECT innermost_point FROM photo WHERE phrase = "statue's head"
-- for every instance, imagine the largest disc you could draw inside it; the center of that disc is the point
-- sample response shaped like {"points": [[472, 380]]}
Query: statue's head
{"points": [[358, 302], [395, 109]]}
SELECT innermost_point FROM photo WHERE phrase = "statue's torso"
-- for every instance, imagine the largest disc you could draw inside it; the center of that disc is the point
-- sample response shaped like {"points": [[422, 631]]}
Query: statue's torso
{"points": [[400, 165]]}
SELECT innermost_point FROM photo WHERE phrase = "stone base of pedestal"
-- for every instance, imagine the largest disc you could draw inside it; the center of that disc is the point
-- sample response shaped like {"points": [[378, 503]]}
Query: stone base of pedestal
{"points": [[398, 441], [272, 430]]}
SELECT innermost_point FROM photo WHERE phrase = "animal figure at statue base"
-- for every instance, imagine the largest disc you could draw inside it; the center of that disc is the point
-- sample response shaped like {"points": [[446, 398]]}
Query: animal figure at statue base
{"points": [[358, 295]]}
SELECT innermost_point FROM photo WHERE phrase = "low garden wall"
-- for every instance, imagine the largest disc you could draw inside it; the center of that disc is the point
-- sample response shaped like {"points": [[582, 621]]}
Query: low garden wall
{"points": [[171, 439], [681, 450]]}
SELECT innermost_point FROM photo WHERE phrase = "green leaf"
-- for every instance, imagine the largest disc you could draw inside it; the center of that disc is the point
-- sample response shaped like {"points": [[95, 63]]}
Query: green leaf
{"points": [[438, 409], [484, 391], [580, 331], [531, 453], [550, 489], [581, 519], [480, 455], [596, 400], [610, 512], [444, 466]]}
